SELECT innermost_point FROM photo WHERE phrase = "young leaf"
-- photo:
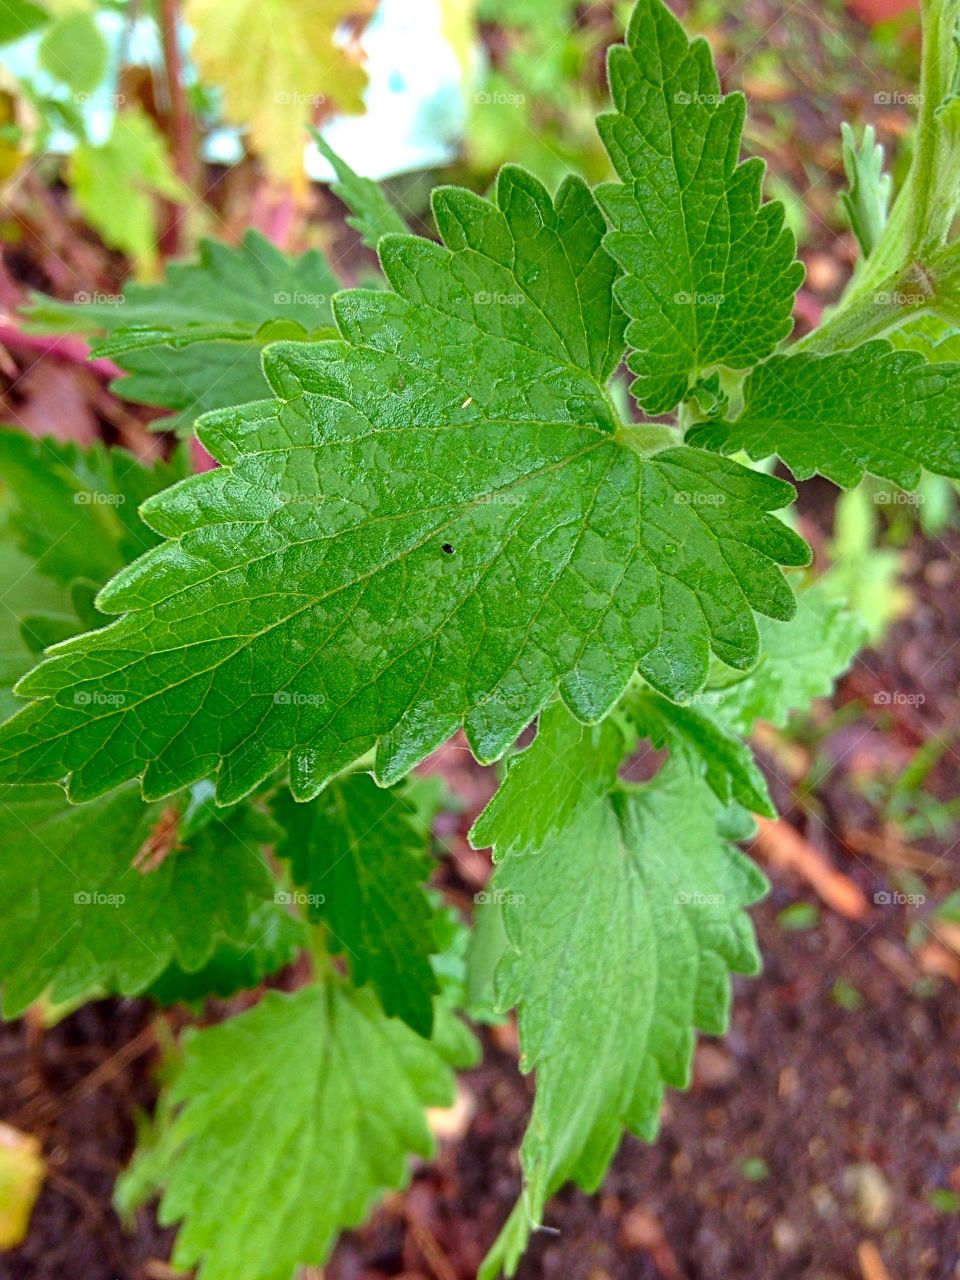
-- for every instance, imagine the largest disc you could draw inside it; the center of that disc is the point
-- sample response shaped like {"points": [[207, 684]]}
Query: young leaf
{"points": [[74, 51], [711, 273], [311, 1104], [935, 339], [219, 311], [276, 67], [439, 523], [624, 911], [237, 286], [361, 857], [868, 199], [868, 409], [132, 160], [79, 916], [371, 213], [798, 663], [707, 748]]}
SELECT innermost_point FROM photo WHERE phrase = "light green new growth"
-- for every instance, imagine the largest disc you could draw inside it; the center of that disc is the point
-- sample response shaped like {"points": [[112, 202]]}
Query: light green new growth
{"points": [[710, 271], [624, 912], [325, 1098]]}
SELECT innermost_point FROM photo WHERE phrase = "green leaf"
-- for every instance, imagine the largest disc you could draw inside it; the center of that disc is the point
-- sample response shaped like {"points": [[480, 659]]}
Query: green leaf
{"points": [[868, 409], [361, 857], [74, 51], [707, 748], [76, 509], [18, 18], [193, 342], [935, 339], [142, 1180], [311, 1104], [189, 383], [65, 511], [371, 213], [80, 917], [132, 160], [623, 908], [23, 593], [271, 940], [241, 286], [867, 201], [439, 523], [711, 272], [798, 662]]}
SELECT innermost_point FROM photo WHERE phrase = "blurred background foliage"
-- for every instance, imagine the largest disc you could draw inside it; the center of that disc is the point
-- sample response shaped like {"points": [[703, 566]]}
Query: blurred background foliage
{"points": [[140, 108]]}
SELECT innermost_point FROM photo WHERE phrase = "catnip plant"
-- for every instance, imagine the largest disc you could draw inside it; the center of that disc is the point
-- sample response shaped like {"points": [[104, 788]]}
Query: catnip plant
{"points": [[441, 506]]}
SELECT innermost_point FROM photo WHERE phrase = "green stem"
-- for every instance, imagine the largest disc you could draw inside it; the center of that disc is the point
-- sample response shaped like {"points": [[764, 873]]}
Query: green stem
{"points": [[648, 437], [897, 280]]}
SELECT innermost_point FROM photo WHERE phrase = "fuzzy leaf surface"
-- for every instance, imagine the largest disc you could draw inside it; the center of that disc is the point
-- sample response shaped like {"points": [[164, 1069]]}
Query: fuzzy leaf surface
{"points": [[311, 1103], [710, 270], [624, 913], [798, 662]]}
